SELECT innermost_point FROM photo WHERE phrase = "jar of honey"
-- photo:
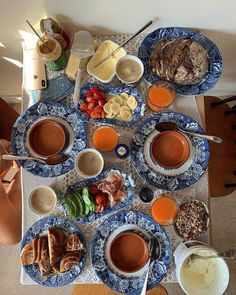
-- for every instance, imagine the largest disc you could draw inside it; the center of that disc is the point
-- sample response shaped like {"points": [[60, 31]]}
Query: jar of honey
{"points": [[51, 53], [164, 210], [160, 96]]}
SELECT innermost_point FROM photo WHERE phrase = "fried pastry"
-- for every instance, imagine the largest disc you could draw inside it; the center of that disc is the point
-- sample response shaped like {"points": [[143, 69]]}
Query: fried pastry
{"points": [[26, 255], [69, 260], [73, 243], [56, 241]]}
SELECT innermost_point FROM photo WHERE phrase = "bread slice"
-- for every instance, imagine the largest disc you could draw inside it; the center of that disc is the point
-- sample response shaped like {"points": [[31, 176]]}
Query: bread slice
{"points": [[69, 260], [57, 243], [43, 262], [73, 243], [26, 255]]}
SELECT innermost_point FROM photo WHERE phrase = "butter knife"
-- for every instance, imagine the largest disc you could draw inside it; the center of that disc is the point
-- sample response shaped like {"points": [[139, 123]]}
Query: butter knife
{"points": [[131, 38]]}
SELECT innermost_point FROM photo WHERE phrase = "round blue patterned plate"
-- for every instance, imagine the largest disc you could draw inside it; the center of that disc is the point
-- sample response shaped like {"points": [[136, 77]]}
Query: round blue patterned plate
{"points": [[139, 222], [129, 185], [66, 117], [40, 228], [114, 90], [160, 180], [215, 59]]}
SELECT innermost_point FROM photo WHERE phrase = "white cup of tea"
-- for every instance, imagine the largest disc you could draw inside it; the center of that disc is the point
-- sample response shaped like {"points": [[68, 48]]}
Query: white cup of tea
{"points": [[42, 200], [129, 69], [89, 163]]}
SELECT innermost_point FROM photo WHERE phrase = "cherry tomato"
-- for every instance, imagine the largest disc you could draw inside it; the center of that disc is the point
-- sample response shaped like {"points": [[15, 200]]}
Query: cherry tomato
{"points": [[95, 115], [91, 106], [84, 106], [98, 109], [93, 189], [91, 99]]}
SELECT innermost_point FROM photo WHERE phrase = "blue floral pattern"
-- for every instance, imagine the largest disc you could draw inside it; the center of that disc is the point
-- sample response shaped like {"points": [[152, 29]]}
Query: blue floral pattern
{"points": [[114, 90], [129, 185], [117, 282], [181, 181], [39, 229], [46, 110], [215, 59]]}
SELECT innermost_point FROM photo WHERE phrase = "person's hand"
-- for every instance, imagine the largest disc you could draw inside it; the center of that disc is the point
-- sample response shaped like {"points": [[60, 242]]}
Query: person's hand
{"points": [[5, 148]]}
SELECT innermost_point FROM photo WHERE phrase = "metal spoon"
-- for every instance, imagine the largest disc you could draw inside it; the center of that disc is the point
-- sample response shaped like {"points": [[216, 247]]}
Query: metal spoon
{"points": [[57, 159], [154, 253], [171, 126], [229, 254]]}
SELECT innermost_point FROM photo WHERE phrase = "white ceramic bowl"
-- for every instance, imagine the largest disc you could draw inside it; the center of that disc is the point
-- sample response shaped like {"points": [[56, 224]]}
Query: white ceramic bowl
{"points": [[134, 58], [97, 153], [45, 198]]}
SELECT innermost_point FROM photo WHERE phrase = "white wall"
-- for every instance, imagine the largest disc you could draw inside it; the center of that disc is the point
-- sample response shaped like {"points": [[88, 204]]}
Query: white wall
{"points": [[214, 18]]}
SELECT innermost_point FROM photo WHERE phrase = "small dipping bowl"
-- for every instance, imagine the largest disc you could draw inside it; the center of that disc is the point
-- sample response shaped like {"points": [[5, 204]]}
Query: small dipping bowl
{"points": [[42, 200], [192, 220], [129, 69], [129, 252], [169, 149], [160, 96], [146, 194], [89, 163], [46, 138]]}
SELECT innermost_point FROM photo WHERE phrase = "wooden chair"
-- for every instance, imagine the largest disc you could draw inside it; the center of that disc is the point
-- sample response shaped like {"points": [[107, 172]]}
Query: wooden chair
{"points": [[8, 117], [220, 121], [99, 289]]}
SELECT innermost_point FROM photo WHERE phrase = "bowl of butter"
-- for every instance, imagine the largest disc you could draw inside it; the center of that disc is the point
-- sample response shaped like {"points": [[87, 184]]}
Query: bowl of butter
{"points": [[106, 71]]}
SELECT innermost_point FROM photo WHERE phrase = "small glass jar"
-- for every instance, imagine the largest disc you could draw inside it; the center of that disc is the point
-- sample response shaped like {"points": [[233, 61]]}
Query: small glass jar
{"points": [[164, 210], [52, 54], [160, 96]]}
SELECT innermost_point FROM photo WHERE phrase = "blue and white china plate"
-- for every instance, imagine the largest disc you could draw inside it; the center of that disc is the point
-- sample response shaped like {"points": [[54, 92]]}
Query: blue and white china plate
{"points": [[129, 186], [114, 90], [67, 117], [215, 59], [160, 180], [138, 222], [39, 229]]}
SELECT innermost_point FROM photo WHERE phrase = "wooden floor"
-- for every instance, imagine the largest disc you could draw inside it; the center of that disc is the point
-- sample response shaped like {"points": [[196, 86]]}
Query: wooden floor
{"points": [[103, 290]]}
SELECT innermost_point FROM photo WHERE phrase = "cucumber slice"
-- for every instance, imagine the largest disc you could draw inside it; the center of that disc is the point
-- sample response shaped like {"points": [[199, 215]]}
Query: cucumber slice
{"points": [[87, 209], [73, 199], [70, 207], [85, 191], [81, 204]]}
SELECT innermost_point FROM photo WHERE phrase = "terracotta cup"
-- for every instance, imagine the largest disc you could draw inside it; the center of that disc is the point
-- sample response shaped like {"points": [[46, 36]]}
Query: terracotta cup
{"points": [[170, 149], [129, 252], [46, 138]]}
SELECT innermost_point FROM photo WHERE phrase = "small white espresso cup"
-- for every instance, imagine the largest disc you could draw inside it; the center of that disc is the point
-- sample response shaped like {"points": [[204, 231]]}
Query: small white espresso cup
{"points": [[85, 160], [42, 200]]}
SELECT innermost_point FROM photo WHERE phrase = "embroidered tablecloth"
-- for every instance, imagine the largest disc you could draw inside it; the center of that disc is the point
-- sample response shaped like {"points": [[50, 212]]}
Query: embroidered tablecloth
{"points": [[185, 105]]}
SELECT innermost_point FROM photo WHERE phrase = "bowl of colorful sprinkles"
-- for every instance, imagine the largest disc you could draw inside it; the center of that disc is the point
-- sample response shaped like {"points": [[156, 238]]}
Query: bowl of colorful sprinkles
{"points": [[192, 220]]}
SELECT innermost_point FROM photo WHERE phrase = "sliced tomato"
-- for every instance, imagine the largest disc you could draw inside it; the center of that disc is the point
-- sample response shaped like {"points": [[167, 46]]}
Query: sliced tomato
{"points": [[101, 102], [98, 207], [91, 99], [103, 115], [98, 109], [91, 106], [101, 198], [95, 115], [93, 189], [89, 93], [84, 106], [88, 112]]}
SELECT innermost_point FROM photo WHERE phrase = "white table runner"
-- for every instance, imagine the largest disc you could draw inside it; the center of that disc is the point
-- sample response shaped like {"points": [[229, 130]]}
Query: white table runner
{"points": [[185, 105]]}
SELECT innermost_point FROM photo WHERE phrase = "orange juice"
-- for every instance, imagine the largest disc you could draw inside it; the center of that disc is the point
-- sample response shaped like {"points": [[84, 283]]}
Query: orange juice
{"points": [[160, 96], [105, 138], [164, 210]]}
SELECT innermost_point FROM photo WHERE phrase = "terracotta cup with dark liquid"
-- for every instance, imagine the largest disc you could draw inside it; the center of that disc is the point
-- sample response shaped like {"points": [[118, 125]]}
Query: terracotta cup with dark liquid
{"points": [[170, 149], [129, 252], [47, 138]]}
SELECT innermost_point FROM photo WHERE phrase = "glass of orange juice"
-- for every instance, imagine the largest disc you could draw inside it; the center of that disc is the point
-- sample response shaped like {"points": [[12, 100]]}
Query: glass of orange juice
{"points": [[105, 138], [164, 210], [160, 96]]}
